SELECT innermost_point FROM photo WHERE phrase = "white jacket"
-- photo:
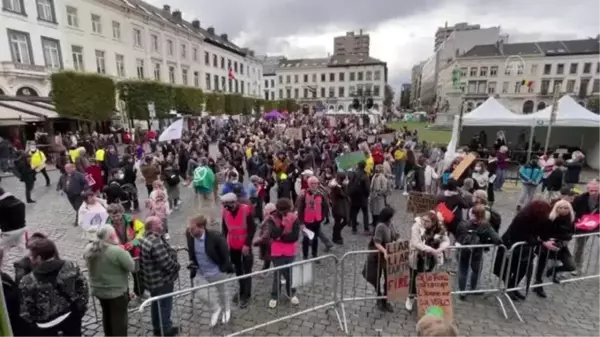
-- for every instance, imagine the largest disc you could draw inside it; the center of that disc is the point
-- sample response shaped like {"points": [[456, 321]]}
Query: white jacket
{"points": [[430, 175]]}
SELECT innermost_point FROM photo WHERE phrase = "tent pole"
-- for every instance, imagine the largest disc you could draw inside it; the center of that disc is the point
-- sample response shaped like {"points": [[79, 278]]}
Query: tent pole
{"points": [[552, 116], [531, 132]]}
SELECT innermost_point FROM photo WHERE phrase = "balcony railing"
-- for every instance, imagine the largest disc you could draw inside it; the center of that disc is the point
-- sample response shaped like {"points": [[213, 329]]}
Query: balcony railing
{"points": [[24, 69]]}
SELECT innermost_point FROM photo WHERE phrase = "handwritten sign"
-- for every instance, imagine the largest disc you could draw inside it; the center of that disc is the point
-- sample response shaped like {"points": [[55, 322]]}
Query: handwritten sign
{"points": [[420, 202], [433, 290], [398, 272], [294, 133], [279, 128], [463, 165]]}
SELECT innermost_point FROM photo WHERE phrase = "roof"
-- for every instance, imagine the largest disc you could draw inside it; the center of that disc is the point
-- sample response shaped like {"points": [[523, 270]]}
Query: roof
{"points": [[334, 61], [542, 48], [201, 33]]}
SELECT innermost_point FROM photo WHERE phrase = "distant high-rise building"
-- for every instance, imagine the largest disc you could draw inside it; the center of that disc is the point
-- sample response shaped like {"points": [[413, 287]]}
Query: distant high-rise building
{"points": [[443, 33], [352, 44]]}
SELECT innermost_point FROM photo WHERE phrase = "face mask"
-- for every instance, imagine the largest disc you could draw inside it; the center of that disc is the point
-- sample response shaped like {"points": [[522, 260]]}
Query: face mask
{"points": [[229, 207], [477, 168]]}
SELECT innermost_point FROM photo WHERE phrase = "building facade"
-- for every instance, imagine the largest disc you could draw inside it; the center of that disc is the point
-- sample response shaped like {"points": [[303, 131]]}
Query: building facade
{"points": [[415, 84], [352, 44], [332, 83], [123, 39], [270, 64], [443, 33]]}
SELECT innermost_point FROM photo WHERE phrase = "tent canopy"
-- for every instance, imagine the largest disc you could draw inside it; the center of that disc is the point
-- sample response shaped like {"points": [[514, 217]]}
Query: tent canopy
{"points": [[492, 112], [569, 113]]}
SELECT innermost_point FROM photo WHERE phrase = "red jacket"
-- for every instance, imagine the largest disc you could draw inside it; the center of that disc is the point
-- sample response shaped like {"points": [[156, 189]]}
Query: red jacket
{"points": [[95, 173]]}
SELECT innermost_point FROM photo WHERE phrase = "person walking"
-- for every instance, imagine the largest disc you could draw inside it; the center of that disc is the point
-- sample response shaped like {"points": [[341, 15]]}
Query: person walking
{"points": [[38, 163], [109, 267], [209, 256], [74, 184], [312, 210], [26, 174], [158, 270]]}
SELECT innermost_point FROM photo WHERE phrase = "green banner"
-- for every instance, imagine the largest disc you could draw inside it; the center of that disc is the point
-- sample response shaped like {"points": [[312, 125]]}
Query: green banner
{"points": [[350, 160]]}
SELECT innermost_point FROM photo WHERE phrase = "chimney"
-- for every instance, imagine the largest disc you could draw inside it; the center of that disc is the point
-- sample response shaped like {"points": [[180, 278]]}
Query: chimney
{"points": [[211, 30], [167, 8], [224, 37], [177, 15], [196, 24]]}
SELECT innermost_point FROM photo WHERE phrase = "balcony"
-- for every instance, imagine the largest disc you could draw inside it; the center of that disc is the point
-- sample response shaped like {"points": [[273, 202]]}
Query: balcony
{"points": [[20, 70]]}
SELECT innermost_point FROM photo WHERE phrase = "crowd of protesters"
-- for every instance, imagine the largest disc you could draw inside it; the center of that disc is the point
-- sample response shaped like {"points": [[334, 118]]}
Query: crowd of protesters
{"points": [[234, 212]]}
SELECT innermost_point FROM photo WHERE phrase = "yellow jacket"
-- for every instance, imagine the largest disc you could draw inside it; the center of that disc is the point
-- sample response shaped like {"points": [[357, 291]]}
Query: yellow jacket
{"points": [[100, 155], [73, 154], [369, 164], [400, 154], [38, 158]]}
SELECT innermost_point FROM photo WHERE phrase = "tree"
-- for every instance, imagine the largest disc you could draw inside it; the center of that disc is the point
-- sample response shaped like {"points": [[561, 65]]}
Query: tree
{"points": [[593, 104], [188, 100], [388, 98], [215, 103], [137, 95], [248, 106], [84, 96]]}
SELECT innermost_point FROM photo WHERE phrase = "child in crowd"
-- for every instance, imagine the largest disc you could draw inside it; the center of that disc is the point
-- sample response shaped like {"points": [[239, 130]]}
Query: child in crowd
{"points": [[159, 207]]}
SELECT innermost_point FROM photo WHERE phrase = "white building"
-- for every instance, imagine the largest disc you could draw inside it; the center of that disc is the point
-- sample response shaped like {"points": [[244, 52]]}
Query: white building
{"points": [[500, 69], [458, 43], [270, 64], [124, 39], [332, 83]]}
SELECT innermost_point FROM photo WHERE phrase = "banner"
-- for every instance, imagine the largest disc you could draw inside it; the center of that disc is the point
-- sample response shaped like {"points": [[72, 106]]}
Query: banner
{"points": [[463, 165], [350, 160], [93, 220], [398, 271], [434, 292], [294, 133], [173, 132], [419, 202]]}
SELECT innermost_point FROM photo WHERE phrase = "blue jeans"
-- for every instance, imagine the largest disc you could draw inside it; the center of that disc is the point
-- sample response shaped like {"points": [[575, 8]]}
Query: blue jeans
{"points": [[287, 275], [399, 172], [166, 306], [469, 259], [500, 178]]}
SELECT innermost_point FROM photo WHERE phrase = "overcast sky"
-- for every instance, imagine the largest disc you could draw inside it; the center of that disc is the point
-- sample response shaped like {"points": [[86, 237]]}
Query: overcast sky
{"points": [[401, 31]]}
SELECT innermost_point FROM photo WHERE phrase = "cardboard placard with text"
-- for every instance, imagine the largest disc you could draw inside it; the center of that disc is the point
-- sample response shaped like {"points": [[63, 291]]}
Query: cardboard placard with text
{"points": [[398, 271], [294, 133], [419, 202], [434, 292], [463, 165]]}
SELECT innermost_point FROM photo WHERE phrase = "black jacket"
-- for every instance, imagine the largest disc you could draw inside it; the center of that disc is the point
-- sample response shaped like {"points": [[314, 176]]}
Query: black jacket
{"points": [[12, 212], [555, 180], [471, 233], [560, 229], [215, 247], [12, 299]]}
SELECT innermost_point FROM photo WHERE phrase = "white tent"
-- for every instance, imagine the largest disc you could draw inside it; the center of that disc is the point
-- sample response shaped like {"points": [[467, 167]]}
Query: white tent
{"points": [[569, 113], [493, 113]]}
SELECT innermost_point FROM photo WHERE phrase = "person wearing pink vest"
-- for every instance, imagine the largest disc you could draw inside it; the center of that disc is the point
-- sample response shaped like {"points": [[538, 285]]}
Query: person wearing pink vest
{"points": [[238, 227], [312, 210], [284, 231]]}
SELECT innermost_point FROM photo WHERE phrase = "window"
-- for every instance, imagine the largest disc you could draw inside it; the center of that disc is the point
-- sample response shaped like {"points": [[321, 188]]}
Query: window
{"points": [[483, 71], [215, 61], [296, 93], [280, 79], [518, 85], [170, 47], [236, 85], [288, 93], [223, 83], [305, 78], [272, 95], [288, 79], [376, 90], [557, 83], [120, 60], [520, 69], [314, 78], [77, 53], [139, 65], [473, 72], [72, 19], [583, 87], [52, 56], [195, 54], [596, 86], [598, 68], [462, 85], [377, 75], [242, 85], [369, 76], [587, 67], [341, 77], [504, 87], [560, 69], [97, 25], [184, 76], [222, 62], [360, 76], [235, 67], [206, 58], [322, 92], [208, 80], [157, 71], [481, 87], [266, 84], [573, 68], [331, 92], [137, 37], [183, 51], [494, 71], [116, 30], [230, 85], [15, 6], [332, 77], [280, 93], [296, 79], [272, 83], [45, 10], [171, 74], [463, 72], [352, 77], [534, 69], [472, 87], [545, 87], [570, 86], [323, 78], [100, 62], [547, 69], [216, 82], [341, 92], [154, 42], [242, 69], [228, 64], [508, 70]]}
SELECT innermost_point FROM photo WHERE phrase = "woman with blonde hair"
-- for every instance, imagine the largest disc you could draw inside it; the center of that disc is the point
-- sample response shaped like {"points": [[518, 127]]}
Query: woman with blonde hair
{"points": [[109, 268], [559, 231]]}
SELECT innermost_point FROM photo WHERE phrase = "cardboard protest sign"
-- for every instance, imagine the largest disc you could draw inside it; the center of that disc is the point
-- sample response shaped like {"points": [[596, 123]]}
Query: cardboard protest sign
{"points": [[294, 133], [93, 220], [420, 202], [279, 128], [433, 293], [398, 272], [332, 121], [463, 165], [349, 160]]}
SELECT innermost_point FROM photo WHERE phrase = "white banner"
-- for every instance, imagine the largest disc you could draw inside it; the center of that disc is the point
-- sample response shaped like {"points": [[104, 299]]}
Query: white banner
{"points": [[172, 132]]}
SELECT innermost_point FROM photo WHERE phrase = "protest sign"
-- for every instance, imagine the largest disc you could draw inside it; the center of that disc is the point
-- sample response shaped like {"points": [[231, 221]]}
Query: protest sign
{"points": [[433, 291], [349, 160], [463, 165], [279, 128], [294, 133], [420, 202], [398, 272], [93, 220]]}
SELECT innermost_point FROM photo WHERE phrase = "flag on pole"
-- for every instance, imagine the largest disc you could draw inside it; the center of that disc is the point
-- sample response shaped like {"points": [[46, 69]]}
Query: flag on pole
{"points": [[230, 74], [172, 132]]}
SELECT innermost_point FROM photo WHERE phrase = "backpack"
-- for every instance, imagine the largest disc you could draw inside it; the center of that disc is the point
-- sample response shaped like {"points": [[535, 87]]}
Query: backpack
{"points": [[204, 179]]}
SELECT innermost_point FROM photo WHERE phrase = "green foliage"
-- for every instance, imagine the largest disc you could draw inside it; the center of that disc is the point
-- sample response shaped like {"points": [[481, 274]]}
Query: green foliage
{"points": [[234, 103], [137, 95], [188, 100], [593, 103], [215, 103], [83, 96], [249, 105]]}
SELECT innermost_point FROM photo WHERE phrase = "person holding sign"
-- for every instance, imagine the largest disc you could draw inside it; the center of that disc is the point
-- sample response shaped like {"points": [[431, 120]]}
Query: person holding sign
{"points": [[375, 266]]}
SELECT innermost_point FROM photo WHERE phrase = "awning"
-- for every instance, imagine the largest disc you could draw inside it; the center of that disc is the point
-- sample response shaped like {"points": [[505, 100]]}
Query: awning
{"points": [[8, 115], [31, 107]]}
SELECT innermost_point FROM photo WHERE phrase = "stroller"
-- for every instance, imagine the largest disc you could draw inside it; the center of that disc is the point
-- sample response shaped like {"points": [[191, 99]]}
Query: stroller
{"points": [[124, 194]]}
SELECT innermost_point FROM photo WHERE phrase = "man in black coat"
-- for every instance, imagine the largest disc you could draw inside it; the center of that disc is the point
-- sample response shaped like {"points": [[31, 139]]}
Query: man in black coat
{"points": [[25, 173], [12, 221], [359, 189]]}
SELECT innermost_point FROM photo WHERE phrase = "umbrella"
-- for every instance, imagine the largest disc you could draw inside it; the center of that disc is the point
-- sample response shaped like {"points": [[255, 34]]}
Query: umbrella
{"points": [[274, 114]]}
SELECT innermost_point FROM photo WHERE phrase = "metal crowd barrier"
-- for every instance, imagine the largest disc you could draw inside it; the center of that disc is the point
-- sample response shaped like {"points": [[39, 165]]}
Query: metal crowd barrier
{"points": [[312, 297], [94, 312]]}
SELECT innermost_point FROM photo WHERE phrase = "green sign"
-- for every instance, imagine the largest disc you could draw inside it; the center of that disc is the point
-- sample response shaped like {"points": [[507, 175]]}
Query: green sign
{"points": [[349, 160]]}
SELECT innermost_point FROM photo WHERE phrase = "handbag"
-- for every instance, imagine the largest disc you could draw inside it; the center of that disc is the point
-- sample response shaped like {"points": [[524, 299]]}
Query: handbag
{"points": [[588, 222], [447, 214]]}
